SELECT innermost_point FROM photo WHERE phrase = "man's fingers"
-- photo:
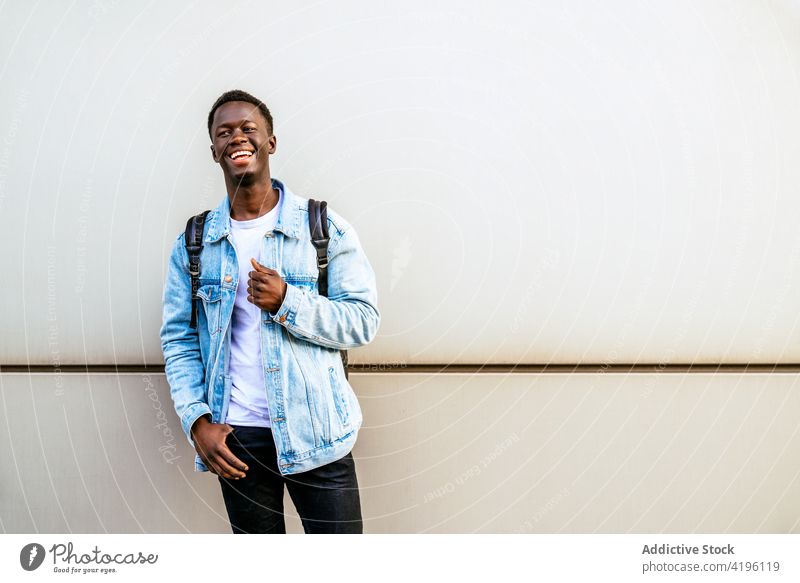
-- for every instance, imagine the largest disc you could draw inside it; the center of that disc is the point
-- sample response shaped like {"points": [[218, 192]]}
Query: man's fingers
{"points": [[216, 458], [212, 467], [208, 464], [225, 470], [208, 460], [260, 276], [261, 285], [226, 461], [233, 461]]}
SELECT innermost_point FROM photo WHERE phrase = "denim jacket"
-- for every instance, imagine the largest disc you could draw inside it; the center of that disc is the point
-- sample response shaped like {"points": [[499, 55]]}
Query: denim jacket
{"points": [[314, 412]]}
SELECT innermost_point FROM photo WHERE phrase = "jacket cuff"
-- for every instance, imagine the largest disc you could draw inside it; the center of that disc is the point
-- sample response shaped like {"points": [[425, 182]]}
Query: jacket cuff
{"points": [[199, 466], [287, 313], [192, 414]]}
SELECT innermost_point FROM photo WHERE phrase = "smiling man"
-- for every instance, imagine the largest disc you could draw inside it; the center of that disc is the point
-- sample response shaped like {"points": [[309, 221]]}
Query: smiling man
{"points": [[256, 374]]}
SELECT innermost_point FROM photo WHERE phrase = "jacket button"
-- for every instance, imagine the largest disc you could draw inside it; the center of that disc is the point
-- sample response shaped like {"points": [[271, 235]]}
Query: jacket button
{"points": [[228, 278], [282, 318]]}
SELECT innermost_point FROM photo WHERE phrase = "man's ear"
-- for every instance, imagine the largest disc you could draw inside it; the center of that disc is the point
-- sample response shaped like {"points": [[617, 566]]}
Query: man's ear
{"points": [[214, 154], [273, 143]]}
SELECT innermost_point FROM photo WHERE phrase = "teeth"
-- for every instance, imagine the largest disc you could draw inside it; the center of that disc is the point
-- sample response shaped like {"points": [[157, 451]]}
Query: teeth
{"points": [[240, 153]]}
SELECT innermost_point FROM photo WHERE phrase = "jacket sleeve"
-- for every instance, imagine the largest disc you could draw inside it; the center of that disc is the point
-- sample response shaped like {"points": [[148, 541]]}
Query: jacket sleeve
{"points": [[349, 316], [180, 344]]}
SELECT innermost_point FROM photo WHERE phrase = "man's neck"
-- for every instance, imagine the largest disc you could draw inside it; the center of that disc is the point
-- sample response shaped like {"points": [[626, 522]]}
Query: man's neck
{"points": [[251, 201]]}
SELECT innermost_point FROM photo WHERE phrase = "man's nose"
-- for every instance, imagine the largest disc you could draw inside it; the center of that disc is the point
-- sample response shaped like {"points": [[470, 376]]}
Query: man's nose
{"points": [[238, 136]]}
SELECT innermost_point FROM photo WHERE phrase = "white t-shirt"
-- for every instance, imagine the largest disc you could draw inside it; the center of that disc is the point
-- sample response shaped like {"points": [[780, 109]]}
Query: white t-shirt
{"points": [[248, 404]]}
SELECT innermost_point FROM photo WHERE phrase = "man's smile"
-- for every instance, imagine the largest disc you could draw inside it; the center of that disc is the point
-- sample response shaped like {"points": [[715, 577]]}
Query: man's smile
{"points": [[241, 157]]}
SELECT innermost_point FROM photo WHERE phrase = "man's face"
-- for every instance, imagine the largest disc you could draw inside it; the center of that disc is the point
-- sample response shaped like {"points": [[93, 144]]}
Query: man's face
{"points": [[239, 127]]}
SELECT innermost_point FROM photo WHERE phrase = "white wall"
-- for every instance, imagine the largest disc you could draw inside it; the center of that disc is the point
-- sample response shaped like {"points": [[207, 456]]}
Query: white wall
{"points": [[576, 182]]}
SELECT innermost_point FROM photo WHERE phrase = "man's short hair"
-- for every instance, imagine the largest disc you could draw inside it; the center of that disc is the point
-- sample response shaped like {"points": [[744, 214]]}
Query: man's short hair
{"points": [[239, 95]]}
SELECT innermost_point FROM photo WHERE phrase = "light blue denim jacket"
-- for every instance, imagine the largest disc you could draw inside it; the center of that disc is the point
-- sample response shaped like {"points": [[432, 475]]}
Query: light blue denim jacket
{"points": [[314, 412]]}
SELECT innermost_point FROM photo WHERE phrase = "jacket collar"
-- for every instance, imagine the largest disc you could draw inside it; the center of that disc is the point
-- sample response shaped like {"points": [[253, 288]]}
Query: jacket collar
{"points": [[289, 216]]}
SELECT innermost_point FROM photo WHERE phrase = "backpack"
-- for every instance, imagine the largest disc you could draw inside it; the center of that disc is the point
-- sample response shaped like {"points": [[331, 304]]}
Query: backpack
{"points": [[318, 227]]}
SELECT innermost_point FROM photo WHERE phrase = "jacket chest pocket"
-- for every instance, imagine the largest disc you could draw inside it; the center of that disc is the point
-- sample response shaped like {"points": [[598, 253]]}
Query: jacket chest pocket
{"points": [[211, 297]]}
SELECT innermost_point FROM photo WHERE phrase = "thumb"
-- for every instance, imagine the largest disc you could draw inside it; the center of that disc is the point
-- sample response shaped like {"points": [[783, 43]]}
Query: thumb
{"points": [[258, 266]]}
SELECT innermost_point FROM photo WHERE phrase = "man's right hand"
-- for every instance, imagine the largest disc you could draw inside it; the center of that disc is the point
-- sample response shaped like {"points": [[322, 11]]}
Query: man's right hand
{"points": [[209, 441]]}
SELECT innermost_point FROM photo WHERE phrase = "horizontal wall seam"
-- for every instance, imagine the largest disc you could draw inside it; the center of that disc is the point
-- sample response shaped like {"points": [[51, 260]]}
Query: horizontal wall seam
{"points": [[379, 368]]}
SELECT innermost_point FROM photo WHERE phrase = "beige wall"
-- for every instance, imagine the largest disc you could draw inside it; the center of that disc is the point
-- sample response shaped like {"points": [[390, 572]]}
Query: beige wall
{"points": [[545, 453]]}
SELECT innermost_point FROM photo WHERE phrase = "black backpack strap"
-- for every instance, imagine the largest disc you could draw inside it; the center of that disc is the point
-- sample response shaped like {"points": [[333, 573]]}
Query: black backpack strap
{"points": [[318, 227], [194, 245]]}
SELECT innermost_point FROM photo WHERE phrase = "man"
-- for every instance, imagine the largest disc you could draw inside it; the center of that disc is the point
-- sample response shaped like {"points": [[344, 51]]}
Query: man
{"points": [[259, 383]]}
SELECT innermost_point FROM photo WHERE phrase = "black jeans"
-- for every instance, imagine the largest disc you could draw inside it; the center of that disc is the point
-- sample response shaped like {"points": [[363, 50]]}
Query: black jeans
{"points": [[326, 498]]}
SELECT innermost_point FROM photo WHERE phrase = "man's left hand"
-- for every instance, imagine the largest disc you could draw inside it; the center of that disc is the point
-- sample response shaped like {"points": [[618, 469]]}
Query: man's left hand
{"points": [[265, 288]]}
